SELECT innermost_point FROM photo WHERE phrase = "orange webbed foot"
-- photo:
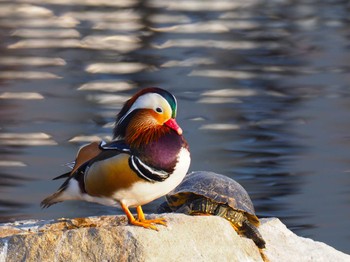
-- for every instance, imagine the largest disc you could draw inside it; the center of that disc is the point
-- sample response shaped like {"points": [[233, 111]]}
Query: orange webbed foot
{"points": [[159, 221], [144, 224], [141, 221], [141, 218]]}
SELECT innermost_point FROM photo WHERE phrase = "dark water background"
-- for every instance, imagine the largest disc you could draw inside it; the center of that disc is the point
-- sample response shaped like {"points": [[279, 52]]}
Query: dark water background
{"points": [[263, 90]]}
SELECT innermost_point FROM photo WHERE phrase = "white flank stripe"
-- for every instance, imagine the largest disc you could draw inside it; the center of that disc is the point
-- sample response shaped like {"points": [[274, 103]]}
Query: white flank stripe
{"points": [[144, 192]]}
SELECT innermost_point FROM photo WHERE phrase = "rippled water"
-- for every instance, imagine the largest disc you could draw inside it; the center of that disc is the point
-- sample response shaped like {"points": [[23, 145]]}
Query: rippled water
{"points": [[263, 91]]}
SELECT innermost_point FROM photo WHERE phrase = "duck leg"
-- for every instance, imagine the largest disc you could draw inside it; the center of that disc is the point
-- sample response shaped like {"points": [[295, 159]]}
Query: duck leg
{"points": [[141, 218], [137, 222]]}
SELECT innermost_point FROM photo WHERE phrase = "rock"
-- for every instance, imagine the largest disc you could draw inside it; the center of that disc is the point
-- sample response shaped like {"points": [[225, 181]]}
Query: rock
{"points": [[284, 245], [186, 238]]}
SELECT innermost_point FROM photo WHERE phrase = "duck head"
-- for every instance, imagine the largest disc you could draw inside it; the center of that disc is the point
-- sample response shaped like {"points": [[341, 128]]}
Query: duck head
{"points": [[147, 115]]}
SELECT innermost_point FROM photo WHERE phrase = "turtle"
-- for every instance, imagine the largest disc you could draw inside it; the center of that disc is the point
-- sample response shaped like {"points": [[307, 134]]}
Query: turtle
{"points": [[209, 193]]}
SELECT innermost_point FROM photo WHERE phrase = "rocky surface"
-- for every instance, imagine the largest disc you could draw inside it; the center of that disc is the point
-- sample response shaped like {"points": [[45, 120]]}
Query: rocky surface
{"points": [[186, 238]]}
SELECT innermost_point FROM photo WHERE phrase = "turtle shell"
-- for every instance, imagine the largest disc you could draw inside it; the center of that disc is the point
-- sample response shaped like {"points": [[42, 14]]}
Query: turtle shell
{"points": [[218, 188]]}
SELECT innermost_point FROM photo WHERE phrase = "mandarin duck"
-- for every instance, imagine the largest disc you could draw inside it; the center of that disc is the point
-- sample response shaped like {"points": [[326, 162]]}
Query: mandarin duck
{"points": [[147, 158]]}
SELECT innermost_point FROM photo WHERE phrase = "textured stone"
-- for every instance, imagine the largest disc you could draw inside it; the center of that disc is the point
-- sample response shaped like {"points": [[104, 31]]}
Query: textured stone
{"points": [[284, 245], [186, 238]]}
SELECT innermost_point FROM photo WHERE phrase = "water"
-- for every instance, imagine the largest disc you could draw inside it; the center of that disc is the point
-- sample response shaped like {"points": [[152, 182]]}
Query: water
{"points": [[262, 86]]}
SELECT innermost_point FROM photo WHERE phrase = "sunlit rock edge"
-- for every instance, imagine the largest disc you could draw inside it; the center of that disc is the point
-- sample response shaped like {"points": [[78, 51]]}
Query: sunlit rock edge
{"points": [[186, 238]]}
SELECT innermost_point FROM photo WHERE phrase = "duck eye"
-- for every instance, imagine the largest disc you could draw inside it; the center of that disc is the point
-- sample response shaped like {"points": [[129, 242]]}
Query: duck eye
{"points": [[159, 110]]}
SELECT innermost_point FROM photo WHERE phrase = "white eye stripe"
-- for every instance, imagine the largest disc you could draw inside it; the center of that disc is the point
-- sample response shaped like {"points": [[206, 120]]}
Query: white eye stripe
{"points": [[148, 100]]}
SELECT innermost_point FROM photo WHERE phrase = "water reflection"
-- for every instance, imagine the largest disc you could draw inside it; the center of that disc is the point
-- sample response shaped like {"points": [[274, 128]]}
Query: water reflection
{"points": [[26, 139], [199, 6], [197, 43], [31, 61], [25, 75], [21, 95], [190, 62], [262, 89], [45, 43], [107, 86], [11, 163], [116, 68], [120, 43]]}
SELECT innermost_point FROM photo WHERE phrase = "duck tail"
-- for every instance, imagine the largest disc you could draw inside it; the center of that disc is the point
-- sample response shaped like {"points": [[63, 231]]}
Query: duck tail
{"points": [[65, 175], [51, 200]]}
